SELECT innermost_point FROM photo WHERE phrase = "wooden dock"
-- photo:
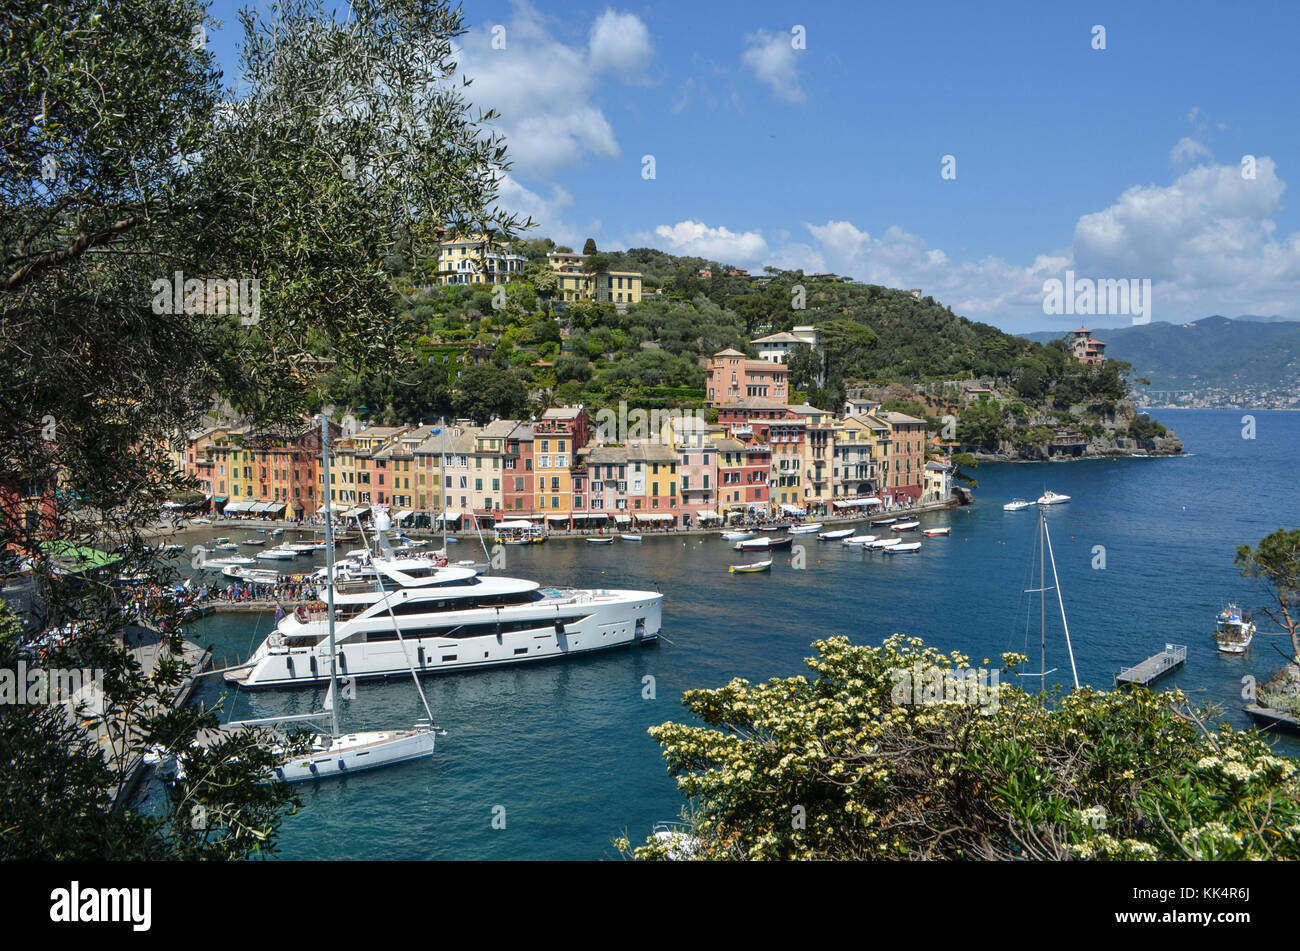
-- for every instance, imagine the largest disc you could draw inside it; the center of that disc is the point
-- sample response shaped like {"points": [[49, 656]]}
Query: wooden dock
{"points": [[1271, 717], [1154, 667]]}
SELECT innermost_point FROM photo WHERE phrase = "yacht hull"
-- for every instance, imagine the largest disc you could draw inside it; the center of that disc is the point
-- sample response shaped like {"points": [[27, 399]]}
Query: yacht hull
{"points": [[587, 621]]}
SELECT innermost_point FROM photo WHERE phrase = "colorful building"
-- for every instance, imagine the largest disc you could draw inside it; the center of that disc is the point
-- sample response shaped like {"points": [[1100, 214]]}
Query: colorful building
{"points": [[731, 377]]}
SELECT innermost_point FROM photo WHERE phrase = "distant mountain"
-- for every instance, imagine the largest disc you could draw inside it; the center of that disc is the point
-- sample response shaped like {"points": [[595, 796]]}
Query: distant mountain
{"points": [[1275, 319], [1213, 354]]}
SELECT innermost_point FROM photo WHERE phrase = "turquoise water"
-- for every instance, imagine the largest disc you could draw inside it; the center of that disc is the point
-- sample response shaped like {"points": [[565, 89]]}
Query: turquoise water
{"points": [[562, 747]]}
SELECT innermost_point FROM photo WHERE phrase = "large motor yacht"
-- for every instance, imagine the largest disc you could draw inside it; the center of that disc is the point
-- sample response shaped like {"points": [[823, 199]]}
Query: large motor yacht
{"points": [[449, 618]]}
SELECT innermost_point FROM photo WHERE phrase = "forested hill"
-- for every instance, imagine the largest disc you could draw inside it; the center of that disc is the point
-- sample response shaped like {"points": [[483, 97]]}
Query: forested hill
{"points": [[533, 349], [1214, 352]]}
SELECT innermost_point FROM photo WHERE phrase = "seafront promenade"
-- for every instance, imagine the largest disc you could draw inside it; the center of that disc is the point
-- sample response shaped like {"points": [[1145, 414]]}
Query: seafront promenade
{"points": [[166, 530]]}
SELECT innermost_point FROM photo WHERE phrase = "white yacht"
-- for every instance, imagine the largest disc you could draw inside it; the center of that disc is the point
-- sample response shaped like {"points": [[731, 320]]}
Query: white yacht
{"points": [[450, 619], [1052, 498], [1016, 505], [278, 554]]}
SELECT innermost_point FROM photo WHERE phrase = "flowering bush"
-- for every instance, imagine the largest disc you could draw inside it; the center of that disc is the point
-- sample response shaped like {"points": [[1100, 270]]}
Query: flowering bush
{"points": [[831, 767]]}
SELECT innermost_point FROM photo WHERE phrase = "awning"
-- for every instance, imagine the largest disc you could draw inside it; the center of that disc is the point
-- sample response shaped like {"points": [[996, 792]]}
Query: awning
{"points": [[707, 513], [402, 516], [592, 515], [238, 507], [449, 516], [622, 519], [655, 517], [557, 518], [515, 526], [792, 509], [266, 507]]}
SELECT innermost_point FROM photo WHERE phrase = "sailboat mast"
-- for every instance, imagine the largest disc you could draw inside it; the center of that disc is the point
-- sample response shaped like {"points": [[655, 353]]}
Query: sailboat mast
{"points": [[1042, 598], [1056, 583], [329, 569]]}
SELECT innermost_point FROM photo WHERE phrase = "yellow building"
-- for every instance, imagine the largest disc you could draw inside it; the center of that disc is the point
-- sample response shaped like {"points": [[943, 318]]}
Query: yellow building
{"points": [[575, 284], [469, 261]]}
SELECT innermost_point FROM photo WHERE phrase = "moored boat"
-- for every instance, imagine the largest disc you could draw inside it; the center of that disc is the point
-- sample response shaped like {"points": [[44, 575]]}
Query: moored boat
{"points": [[603, 540], [858, 541], [630, 538], [764, 543], [1233, 630], [909, 526], [750, 569], [738, 536], [1052, 498], [836, 534], [1016, 505], [933, 532], [883, 521], [903, 548], [884, 543], [805, 529]]}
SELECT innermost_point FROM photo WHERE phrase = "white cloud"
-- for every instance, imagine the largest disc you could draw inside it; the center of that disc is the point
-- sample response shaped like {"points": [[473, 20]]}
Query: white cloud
{"points": [[694, 238], [772, 60], [620, 43], [1187, 150], [544, 88]]}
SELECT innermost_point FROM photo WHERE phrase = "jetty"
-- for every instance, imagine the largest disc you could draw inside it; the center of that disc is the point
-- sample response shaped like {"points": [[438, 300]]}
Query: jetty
{"points": [[1271, 717], [1154, 667]]}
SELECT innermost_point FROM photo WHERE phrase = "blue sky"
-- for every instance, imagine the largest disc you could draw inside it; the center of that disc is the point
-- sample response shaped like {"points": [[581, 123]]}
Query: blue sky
{"points": [[1115, 163]]}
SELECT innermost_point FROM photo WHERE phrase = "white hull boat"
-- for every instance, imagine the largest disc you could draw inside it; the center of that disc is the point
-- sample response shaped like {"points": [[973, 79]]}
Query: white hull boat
{"points": [[905, 526], [858, 541], [277, 554], [880, 543], [739, 536], [630, 538], [355, 753], [220, 564], [936, 532], [805, 529], [903, 549], [1052, 498], [1016, 505], [837, 534], [251, 575], [1233, 630]]}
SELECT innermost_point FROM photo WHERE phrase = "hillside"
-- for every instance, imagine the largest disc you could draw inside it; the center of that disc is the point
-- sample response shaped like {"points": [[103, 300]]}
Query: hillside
{"points": [[1216, 357]]}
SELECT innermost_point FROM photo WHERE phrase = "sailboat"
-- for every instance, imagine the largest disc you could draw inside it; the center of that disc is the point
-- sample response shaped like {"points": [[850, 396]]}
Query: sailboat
{"points": [[1044, 554], [336, 753]]}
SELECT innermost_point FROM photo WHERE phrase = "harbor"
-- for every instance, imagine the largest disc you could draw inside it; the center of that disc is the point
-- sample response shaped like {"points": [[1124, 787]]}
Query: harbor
{"points": [[539, 727]]}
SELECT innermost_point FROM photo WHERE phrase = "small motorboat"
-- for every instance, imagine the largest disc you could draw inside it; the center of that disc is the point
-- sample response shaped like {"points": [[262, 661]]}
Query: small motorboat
{"points": [[1052, 498], [838, 533], [251, 575], [936, 532], [276, 532], [905, 526], [604, 540], [805, 529], [630, 538], [764, 543], [219, 564], [1016, 505], [750, 569], [277, 554], [172, 549], [903, 548], [1233, 630], [227, 546], [886, 543], [255, 541], [884, 521], [858, 541], [738, 536]]}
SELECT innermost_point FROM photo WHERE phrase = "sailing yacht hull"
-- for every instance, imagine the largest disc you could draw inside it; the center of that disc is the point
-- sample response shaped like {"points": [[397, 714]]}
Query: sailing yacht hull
{"points": [[356, 753], [591, 621]]}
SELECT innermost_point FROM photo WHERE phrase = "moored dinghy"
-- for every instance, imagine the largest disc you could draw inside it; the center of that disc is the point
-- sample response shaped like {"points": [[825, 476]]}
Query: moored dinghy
{"points": [[805, 529], [837, 534], [935, 532], [903, 548], [750, 569], [909, 526]]}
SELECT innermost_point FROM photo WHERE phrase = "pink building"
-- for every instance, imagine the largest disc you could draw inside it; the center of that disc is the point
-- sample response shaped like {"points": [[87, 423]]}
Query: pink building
{"points": [[731, 377]]}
